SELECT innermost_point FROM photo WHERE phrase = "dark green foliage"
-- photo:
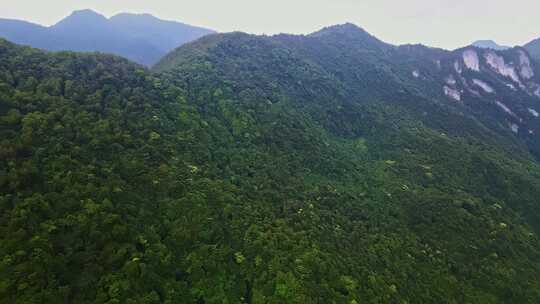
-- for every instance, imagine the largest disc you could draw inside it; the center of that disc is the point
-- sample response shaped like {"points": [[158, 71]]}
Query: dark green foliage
{"points": [[246, 171]]}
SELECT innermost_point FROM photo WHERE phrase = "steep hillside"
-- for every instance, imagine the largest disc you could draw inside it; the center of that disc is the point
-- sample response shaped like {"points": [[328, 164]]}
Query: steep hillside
{"points": [[499, 90], [141, 38], [249, 169], [23, 32], [533, 48], [164, 35]]}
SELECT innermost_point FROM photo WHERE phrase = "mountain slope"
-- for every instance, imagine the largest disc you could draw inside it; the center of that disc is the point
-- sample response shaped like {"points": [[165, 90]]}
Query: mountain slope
{"points": [[366, 69], [141, 38], [533, 48], [287, 169], [165, 35], [23, 32], [499, 88]]}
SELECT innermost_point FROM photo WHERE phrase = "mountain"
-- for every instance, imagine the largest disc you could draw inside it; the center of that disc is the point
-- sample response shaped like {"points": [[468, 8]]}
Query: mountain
{"points": [[141, 38], [534, 48], [499, 88], [166, 35], [489, 44], [23, 32], [325, 168]]}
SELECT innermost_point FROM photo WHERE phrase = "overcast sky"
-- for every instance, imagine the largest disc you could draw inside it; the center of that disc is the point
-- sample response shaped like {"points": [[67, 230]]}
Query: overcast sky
{"points": [[442, 23]]}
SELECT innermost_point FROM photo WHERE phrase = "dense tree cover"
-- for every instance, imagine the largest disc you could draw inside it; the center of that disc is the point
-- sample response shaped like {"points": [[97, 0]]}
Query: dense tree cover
{"points": [[243, 173]]}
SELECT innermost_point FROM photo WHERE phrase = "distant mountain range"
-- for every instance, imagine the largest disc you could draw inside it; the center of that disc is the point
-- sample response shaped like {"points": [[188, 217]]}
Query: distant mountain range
{"points": [[142, 38], [533, 47], [490, 44]]}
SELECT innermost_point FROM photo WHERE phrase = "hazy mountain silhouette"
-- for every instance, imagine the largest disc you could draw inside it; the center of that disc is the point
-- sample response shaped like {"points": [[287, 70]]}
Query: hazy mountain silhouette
{"points": [[533, 48], [141, 38], [489, 44]]}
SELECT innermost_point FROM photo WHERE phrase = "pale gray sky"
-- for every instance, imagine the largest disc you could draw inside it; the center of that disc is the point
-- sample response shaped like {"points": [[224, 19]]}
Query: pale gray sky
{"points": [[442, 23]]}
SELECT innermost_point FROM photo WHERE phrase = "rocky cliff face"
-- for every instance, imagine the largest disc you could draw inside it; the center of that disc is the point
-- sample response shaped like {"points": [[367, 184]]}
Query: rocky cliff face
{"points": [[502, 86]]}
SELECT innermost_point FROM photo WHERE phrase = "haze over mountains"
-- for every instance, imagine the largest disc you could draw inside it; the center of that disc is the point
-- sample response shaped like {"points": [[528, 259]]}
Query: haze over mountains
{"points": [[323, 168], [141, 38], [489, 44]]}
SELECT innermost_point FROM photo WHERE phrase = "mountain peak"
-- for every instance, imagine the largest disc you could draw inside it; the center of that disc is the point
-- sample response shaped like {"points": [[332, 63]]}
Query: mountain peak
{"points": [[87, 13], [131, 16], [489, 44], [82, 17], [349, 33], [346, 28], [139, 37]]}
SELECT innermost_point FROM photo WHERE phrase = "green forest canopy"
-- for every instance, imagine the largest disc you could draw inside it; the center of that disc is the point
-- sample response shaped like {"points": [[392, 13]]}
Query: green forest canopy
{"points": [[223, 180]]}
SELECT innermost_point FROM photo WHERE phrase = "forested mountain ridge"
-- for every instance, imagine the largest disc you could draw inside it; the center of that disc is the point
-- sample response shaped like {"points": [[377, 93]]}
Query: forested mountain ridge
{"points": [[248, 169], [142, 38], [502, 96]]}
